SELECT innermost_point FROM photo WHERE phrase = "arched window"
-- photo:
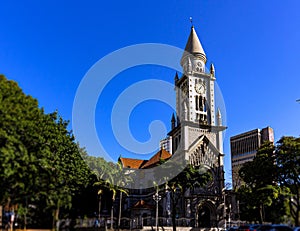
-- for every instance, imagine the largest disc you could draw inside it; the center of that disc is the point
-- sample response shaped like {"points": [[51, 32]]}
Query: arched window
{"points": [[201, 103]]}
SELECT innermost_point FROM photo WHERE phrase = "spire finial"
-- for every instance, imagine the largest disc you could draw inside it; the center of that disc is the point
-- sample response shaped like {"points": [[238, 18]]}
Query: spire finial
{"points": [[193, 47], [212, 69], [191, 20], [176, 77], [173, 121]]}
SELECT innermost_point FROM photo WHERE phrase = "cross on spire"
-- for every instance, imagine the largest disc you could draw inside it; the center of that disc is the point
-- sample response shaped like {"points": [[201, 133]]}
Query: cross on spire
{"points": [[191, 20]]}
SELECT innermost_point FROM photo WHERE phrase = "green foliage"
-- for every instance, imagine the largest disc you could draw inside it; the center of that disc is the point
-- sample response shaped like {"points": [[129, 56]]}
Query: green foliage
{"points": [[40, 164], [110, 177], [261, 171], [288, 153], [271, 182], [18, 116], [188, 179], [260, 189]]}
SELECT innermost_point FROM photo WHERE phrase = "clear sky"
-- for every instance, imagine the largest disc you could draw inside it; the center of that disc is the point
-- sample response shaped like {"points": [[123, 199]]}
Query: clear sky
{"points": [[48, 46]]}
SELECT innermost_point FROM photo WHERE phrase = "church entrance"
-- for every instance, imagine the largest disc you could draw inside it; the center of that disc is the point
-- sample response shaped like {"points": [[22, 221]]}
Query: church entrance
{"points": [[204, 217]]}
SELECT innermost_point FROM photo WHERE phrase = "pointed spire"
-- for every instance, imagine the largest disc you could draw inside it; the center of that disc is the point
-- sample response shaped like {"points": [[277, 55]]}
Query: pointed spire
{"points": [[176, 77], [212, 70], [194, 47], [173, 121]]}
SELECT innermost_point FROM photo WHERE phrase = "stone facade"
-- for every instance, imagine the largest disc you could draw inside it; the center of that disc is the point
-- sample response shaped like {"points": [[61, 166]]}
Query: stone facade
{"points": [[196, 137]]}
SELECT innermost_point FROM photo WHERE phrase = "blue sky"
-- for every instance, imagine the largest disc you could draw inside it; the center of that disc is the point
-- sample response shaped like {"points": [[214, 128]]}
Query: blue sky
{"points": [[48, 46]]}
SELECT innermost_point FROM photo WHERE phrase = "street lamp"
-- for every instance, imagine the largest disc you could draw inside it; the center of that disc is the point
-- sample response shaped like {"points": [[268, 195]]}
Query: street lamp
{"points": [[99, 203], [157, 198], [229, 218]]}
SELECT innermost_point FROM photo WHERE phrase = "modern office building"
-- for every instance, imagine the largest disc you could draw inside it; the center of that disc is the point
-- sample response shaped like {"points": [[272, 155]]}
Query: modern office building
{"points": [[244, 147], [166, 144]]}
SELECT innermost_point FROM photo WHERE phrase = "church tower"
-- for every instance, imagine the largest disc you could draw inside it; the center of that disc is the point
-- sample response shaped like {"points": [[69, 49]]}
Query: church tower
{"points": [[197, 130], [195, 100]]}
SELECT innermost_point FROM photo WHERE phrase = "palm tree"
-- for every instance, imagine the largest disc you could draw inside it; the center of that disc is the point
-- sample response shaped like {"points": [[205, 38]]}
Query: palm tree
{"points": [[113, 179], [190, 177], [100, 191]]}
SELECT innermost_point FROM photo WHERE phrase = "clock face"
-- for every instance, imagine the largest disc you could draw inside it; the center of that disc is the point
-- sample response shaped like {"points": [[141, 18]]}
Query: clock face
{"points": [[198, 67], [199, 64], [200, 88]]}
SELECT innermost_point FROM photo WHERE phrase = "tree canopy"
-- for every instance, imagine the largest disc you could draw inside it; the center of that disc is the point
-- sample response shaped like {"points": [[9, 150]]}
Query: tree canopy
{"points": [[271, 183], [288, 161], [40, 163]]}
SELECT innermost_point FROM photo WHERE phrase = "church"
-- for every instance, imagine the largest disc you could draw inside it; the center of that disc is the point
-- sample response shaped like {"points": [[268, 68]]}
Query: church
{"points": [[196, 137]]}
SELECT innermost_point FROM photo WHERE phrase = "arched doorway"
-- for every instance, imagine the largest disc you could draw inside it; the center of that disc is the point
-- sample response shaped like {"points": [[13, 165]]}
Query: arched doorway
{"points": [[204, 217], [206, 214]]}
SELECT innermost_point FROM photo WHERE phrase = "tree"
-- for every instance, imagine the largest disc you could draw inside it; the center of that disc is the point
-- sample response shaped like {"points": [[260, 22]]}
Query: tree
{"points": [[40, 163], [260, 189], [67, 172], [189, 178], [288, 161], [18, 114], [111, 177]]}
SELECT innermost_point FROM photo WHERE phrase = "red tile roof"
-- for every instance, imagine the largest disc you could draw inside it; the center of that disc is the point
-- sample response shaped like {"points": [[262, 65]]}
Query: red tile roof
{"points": [[131, 163], [138, 164], [160, 155]]}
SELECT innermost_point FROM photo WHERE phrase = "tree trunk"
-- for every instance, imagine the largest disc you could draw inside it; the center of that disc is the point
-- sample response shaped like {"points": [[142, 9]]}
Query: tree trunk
{"points": [[25, 214], [25, 219], [99, 207], [173, 200], [112, 216], [55, 219], [174, 218], [297, 204], [297, 222], [294, 210], [120, 211], [261, 213]]}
